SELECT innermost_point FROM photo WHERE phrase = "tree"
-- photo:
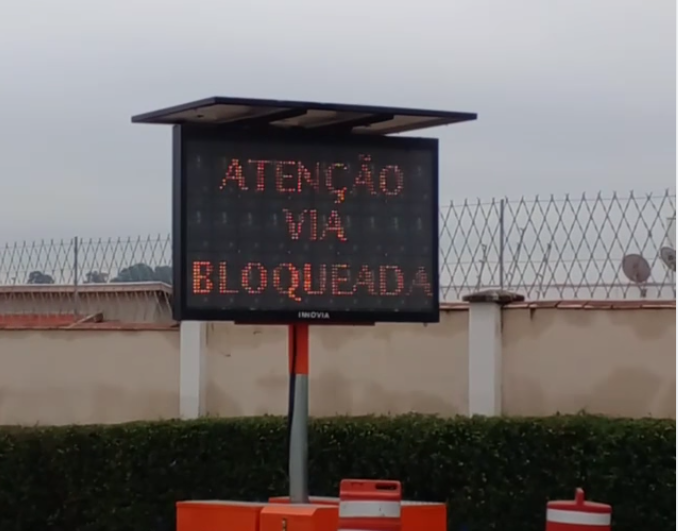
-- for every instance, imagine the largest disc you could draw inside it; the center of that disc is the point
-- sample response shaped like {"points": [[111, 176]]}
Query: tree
{"points": [[164, 274], [144, 273], [96, 277], [135, 273], [38, 277]]}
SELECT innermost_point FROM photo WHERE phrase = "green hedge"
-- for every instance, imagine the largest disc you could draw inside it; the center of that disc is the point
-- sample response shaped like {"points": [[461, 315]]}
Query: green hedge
{"points": [[494, 473]]}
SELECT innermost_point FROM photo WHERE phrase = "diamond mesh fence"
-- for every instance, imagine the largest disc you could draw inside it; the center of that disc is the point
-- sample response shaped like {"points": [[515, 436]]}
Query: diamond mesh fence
{"points": [[561, 248], [585, 247]]}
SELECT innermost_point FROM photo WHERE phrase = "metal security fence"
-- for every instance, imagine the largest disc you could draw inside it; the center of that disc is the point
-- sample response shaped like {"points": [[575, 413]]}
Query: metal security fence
{"points": [[590, 247], [561, 248]]}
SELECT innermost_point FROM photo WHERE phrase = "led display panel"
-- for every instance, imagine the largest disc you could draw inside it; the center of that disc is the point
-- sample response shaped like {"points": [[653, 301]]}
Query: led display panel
{"points": [[286, 228]]}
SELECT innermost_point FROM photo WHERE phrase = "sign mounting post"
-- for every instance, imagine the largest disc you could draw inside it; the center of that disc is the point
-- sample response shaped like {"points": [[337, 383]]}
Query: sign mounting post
{"points": [[299, 213]]}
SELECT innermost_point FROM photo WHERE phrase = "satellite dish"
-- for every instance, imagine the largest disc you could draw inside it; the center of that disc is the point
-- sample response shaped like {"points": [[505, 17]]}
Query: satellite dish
{"points": [[671, 232], [636, 268], [668, 256]]}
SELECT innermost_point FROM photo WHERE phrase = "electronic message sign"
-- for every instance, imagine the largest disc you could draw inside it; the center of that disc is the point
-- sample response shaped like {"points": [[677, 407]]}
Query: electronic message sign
{"points": [[298, 227]]}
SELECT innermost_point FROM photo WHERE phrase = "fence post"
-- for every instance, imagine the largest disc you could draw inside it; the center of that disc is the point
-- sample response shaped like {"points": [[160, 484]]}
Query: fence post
{"points": [[192, 374], [502, 236], [76, 302], [485, 350]]}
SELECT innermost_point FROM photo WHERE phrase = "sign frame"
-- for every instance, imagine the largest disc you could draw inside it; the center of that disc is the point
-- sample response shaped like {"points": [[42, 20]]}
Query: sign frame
{"points": [[180, 309]]}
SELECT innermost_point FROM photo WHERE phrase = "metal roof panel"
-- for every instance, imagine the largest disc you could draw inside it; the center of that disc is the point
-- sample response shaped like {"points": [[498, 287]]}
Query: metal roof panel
{"points": [[247, 113]]}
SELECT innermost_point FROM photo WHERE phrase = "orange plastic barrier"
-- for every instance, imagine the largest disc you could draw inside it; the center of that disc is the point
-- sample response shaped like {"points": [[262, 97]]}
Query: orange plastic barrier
{"points": [[316, 500], [297, 517], [369, 505], [578, 515], [211, 515], [414, 516]]}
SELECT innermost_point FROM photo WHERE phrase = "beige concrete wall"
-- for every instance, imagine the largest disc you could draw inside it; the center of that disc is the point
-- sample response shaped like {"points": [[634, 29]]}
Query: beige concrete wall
{"points": [[620, 362], [88, 376], [357, 370], [138, 303], [615, 362]]}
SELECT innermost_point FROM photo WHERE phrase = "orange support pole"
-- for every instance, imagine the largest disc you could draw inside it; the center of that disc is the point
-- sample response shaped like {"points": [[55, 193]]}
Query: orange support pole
{"points": [[297, 338]]}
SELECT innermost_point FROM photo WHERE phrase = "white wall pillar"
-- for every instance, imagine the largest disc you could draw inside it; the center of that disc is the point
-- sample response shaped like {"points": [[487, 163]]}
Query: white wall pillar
{"points": [[484, 350], [192, 384]]}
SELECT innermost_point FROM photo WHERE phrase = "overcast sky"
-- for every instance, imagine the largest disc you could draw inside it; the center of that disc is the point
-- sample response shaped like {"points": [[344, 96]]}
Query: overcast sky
{"points": [[572, 95]]}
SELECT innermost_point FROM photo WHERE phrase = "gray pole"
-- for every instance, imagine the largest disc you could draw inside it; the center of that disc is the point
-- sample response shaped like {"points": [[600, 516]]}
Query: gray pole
{"points": [[299, 443], [298, 458], [75, 276], [502, 236]]}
